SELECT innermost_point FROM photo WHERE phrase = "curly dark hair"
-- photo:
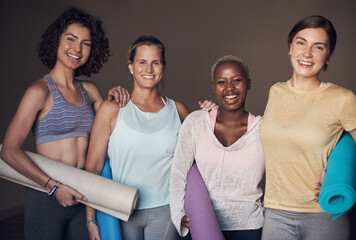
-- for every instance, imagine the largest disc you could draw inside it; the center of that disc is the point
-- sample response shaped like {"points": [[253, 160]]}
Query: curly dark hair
{"points": [[99, 54]]}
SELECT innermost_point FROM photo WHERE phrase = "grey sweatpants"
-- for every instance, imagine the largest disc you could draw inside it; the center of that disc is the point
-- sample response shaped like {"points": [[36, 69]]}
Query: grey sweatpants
{"points": [[149, 224], [287, 225]]}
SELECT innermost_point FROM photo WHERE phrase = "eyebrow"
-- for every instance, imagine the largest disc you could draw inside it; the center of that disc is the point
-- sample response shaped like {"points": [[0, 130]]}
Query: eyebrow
{"points": [[314, 43], [71, 34], [142, 59], [238, 75]]}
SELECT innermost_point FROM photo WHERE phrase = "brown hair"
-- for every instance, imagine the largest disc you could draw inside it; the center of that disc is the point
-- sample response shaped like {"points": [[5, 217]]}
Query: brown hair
{"points": [[316, 22], [146, 40]]}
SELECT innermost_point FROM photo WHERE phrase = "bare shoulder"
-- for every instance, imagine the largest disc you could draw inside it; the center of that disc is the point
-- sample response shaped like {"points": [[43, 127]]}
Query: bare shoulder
{"points": [[182, 110], [109, 108], [39, 89]]}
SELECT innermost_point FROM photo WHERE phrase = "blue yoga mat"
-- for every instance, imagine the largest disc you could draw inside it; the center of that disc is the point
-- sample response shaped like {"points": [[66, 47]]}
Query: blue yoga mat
{"points": [[337, 194], [109, 226]]}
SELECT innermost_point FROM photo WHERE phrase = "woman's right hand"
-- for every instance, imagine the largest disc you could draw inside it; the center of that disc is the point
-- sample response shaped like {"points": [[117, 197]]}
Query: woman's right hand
{"points": [[185, 221], [66, 196], [94, 232]]}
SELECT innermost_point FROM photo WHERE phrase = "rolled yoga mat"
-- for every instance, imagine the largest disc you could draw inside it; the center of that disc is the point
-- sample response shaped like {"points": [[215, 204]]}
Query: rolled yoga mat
{"points": [[203, 224], [109, 226], [337, 194], [116, 199]]}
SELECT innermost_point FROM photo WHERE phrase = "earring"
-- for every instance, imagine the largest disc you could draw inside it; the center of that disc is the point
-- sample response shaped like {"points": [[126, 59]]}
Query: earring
{"points": [[132, 73]]}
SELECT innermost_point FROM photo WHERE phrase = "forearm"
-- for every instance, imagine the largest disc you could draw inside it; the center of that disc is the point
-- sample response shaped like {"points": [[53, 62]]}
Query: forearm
{"points": [[18, 160], [91, 213]]}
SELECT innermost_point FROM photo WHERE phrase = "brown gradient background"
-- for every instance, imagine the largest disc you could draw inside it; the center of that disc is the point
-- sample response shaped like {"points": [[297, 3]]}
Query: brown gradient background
{"points": [[196, 34]]}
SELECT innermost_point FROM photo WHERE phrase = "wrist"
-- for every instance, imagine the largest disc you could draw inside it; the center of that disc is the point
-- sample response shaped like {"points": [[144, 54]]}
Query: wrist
{"points": [[50, 184], [91, 221], [53, 187]]}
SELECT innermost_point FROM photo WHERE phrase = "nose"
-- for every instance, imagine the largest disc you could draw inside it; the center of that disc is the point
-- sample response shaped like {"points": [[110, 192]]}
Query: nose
{"points": [[149, 68], [77, 47], [308, 52], [230, 85]]}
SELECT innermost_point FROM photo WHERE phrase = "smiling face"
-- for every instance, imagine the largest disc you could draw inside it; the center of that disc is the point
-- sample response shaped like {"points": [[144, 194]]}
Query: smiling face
{"points": [[147, 68], [230, 85], [309, 52], [74, 46]]}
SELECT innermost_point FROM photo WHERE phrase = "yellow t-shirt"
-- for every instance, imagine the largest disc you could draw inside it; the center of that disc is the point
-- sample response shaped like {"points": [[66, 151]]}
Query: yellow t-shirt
{"points": [[299, 130]]}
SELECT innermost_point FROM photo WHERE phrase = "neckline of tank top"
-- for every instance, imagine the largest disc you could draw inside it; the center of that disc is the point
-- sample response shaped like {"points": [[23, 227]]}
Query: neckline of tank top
{"points": [[165, 104]]}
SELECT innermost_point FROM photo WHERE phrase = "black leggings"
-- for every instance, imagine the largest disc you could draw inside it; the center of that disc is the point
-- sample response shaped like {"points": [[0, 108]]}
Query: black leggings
{"points": [[46, 219], [254, 234]]}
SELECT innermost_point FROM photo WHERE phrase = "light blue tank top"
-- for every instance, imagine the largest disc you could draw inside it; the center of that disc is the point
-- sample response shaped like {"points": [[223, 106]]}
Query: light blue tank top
{"points": [[141, 149], [64, 120]]}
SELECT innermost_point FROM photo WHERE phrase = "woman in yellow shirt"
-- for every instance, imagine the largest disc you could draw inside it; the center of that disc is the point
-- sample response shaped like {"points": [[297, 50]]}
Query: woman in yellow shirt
{"points": [[303, 120]]}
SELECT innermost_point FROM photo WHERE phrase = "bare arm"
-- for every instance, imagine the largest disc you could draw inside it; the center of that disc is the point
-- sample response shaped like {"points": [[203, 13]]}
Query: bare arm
{"points": [[182, 110], [31, 104], [104, 123], [94, 94]]}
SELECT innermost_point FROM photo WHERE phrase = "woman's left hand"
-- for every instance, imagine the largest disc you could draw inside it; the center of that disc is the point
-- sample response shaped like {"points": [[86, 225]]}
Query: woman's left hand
{"points": [[120, 94], [94, 232], [318, 184], [208, 105]]}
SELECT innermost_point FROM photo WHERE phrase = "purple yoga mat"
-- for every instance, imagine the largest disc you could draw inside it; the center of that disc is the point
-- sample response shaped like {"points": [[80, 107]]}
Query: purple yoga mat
{"points": [[203, 224]]}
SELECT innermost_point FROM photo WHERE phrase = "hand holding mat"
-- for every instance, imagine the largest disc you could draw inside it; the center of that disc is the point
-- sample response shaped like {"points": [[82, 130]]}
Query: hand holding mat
{"points": [[111, 197], [109, 226], [337, 194], [203, 224]]}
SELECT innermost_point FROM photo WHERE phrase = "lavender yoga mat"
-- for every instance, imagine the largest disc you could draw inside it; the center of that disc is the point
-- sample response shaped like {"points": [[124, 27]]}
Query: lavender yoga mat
{"points": [[203, 224]]}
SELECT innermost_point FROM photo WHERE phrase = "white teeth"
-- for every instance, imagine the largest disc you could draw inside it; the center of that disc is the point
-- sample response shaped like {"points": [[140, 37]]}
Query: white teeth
{"points": [[231, 96], [150, 77], [305, 63], [73, 56]]}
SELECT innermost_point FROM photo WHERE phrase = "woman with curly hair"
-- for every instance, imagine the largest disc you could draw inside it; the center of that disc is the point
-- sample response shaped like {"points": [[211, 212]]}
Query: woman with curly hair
{"points": [[60, 110]]}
